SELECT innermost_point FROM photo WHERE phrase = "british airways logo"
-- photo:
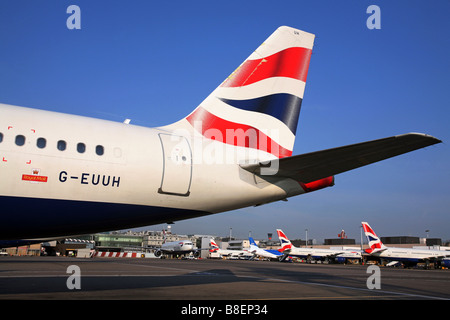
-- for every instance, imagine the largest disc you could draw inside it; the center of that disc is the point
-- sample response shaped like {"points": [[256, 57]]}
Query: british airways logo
{"points": [[91, 178]]}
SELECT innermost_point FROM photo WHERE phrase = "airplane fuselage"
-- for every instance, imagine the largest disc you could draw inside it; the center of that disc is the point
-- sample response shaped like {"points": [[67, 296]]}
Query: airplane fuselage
{"points": [[410, 255], [66, 174], [314, 253], [267, 254]]}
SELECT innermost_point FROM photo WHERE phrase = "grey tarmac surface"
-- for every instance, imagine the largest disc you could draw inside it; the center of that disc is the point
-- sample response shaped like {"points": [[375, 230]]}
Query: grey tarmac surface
{"points": [[46, 278]]}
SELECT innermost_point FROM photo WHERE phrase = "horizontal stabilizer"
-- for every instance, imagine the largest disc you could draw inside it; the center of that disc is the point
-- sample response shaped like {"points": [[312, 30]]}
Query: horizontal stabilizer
{"points": [[317, 165]]}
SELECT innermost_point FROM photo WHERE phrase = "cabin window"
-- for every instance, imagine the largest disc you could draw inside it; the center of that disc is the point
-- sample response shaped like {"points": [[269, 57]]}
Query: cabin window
{"points": [[20, 140], [99, 150], [61, 145], [1, 137], [81, 147], [41, 143]]}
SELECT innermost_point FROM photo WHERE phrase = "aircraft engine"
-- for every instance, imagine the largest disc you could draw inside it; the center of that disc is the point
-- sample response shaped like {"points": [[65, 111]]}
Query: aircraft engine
{"points": [[158, 253]]}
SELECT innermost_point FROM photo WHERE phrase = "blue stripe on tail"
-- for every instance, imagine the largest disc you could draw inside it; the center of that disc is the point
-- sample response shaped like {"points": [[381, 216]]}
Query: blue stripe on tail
{"points": [[283, 106]]}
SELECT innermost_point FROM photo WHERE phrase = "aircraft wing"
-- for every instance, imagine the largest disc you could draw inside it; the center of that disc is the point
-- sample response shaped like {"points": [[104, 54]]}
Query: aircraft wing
{"points": [[334, 255], [317, 165]]}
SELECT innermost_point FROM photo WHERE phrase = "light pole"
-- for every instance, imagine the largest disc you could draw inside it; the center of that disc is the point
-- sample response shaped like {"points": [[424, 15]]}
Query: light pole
{"points": [[361, 238], [306, 243]]}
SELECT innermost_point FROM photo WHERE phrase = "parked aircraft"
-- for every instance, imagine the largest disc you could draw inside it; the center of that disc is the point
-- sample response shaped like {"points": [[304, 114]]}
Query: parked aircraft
{"points": [[177, 248], [257, 251], [67, 175], [309, 254], [236, 254], [407, 256], [174, 248]]}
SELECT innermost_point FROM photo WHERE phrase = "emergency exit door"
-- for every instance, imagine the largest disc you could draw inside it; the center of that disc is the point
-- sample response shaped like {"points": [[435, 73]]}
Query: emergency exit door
{"points": [[177, 165]]}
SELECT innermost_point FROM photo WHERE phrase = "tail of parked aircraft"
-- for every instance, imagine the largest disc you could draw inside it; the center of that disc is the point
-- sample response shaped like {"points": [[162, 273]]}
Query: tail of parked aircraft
{"points": [[253, 245], [258, 105], [375, 243], [214, 246], [285, 242]]}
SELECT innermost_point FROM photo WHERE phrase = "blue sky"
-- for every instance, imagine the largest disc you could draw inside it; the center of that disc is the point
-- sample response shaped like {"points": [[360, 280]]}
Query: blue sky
{"points": [[155, 61]]}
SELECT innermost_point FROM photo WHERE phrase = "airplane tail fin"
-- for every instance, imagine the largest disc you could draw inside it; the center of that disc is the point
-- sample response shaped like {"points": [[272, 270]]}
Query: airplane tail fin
{"points": [[375, 243], [214, 246], [285, 242], [253, 245], [258, 105]]}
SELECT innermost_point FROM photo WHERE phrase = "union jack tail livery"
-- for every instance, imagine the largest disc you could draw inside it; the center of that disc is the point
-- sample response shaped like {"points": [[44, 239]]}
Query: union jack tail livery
{"points": [[285, 242], [258, 105], [375, 243], [214, 246]]}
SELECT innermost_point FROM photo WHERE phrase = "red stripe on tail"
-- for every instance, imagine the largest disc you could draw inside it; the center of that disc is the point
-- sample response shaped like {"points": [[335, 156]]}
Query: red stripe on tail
{"points": [[291, 63], [242, 135]]}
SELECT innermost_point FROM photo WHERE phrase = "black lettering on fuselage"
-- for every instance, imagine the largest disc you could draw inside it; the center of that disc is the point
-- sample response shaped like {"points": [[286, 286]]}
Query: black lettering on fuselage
{"points": [[63, 176], [94, 179]]}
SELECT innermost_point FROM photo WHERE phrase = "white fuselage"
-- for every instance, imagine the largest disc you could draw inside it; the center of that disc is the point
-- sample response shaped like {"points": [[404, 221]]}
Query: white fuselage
{"points": [[409, 254], [263, 253], [178, 246], [314, 253], [128, 175]]}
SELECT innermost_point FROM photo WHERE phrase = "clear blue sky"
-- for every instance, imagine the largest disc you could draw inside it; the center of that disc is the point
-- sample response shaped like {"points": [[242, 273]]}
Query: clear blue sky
{"points": [[155, 61]]}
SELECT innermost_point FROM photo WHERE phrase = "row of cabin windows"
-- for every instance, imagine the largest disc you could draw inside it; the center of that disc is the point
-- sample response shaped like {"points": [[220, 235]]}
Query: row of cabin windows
{"points": [[61, 145]]}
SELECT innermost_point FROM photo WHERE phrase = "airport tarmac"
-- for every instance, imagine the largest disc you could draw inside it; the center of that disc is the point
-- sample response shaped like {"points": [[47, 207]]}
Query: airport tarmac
{"points": [[47, 278]]}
